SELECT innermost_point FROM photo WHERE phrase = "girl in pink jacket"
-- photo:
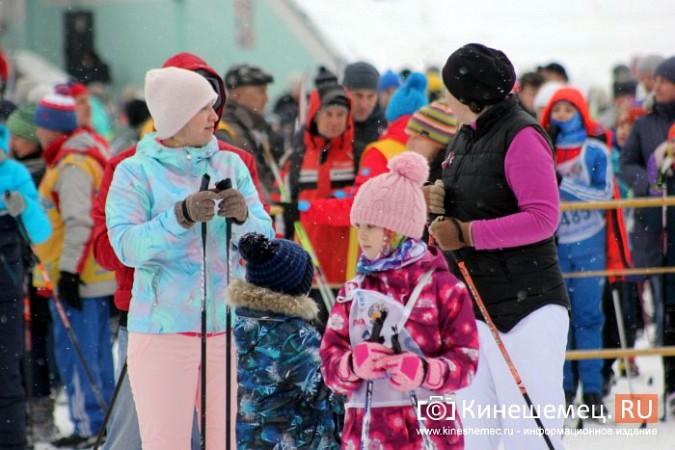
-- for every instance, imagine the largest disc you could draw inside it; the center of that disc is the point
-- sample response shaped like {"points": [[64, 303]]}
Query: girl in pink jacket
{"points": [[404, 289]]}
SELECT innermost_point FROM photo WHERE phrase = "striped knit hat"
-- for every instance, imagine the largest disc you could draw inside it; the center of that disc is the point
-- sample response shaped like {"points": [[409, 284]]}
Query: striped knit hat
{"points": [[435, 122], [56, 112]]}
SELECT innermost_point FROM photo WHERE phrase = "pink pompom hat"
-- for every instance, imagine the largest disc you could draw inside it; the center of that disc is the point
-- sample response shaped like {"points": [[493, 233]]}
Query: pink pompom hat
{"points": [[394, 199]]}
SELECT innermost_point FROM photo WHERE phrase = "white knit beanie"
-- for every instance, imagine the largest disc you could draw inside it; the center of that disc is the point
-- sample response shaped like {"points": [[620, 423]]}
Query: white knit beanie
{"points": [[174, 96]]}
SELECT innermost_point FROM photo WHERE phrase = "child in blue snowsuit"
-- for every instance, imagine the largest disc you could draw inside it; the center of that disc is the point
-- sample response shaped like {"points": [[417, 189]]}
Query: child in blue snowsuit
{"points": [[585, 167], [283, 401]]}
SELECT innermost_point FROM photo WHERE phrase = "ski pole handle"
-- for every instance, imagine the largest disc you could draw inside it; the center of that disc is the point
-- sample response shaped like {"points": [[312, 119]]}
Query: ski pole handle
{"points": [[376, 334], [223, 185], [205, 182], [395, 343]]}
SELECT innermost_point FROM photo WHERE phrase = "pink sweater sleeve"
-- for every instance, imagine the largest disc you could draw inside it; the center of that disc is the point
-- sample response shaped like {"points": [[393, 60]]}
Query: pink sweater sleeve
{"points": [[530, 173]]}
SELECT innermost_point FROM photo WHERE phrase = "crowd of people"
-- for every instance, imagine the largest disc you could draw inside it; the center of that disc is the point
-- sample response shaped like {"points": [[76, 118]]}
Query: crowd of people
{"points": [[313, 273]]}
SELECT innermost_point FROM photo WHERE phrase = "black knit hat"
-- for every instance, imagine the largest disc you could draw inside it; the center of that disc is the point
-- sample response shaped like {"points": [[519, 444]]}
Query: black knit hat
{"points": [[477, 76], [278, 264], [324, 77], [333, 95]]}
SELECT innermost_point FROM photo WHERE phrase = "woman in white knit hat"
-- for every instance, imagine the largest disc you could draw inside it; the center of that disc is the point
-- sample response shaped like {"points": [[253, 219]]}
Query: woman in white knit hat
{"points": [[153, 211]]}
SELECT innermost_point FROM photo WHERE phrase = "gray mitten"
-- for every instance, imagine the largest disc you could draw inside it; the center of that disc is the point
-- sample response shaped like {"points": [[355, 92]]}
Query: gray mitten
{"points": [[15, 203], [197, 207], [232, 205]]}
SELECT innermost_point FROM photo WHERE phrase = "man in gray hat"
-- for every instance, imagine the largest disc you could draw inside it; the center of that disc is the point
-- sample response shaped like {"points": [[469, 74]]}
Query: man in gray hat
{"points": [[243, 122], [361, 81]]}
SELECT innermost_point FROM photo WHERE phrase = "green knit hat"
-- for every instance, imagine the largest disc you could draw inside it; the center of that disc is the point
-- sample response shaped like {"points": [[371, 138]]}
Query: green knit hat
{"points": [[21, 123]]}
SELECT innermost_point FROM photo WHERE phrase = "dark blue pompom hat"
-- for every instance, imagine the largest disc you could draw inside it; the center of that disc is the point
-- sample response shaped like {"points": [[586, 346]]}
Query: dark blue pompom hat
{"points": [[278, 264]]}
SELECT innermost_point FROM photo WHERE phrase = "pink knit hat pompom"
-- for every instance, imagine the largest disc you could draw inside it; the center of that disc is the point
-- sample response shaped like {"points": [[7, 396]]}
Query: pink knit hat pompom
{"points": [[410, 165], [394, 199]]}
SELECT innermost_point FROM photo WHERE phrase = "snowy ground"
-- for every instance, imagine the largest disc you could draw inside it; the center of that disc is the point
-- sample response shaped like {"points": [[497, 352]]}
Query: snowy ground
{"points": [[660, 435], [594, 436]]}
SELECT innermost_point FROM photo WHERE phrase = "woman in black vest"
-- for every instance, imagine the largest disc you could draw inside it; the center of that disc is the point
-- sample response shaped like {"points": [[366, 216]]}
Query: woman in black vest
{"points": [[500, 210]]}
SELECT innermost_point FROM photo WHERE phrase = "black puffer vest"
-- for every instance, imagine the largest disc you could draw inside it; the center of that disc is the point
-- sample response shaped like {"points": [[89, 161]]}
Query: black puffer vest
{"points": [[515, 281]]}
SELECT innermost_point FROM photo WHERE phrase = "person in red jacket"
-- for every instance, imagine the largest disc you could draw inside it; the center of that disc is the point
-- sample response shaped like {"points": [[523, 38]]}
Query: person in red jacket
{"points": [[322, 168], [374, 159], [123, 429]]}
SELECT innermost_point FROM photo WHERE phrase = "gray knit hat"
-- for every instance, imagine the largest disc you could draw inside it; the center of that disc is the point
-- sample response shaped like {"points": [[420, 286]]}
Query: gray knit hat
{"points": [[361, 75], [649, 63]]}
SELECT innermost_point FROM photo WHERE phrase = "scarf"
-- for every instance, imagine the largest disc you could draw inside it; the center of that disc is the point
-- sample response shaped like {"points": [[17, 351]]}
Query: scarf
{"points": [[572, 131], [393, 255]]}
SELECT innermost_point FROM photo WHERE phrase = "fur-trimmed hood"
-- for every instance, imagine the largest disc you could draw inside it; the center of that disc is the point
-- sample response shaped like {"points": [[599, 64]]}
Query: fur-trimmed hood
{"points": [[242, 294]]}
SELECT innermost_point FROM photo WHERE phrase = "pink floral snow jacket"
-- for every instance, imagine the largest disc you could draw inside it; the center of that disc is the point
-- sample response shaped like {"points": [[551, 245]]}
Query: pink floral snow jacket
{"points": [[442, 324]]}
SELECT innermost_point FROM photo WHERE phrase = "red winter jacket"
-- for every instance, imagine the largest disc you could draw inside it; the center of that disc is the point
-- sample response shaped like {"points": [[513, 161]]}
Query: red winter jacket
{"points": [[323, 167], [103, 252]]}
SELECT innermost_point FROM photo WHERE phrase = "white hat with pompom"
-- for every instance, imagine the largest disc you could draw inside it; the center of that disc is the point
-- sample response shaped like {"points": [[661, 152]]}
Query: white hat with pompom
{"points": [[394, 199]]}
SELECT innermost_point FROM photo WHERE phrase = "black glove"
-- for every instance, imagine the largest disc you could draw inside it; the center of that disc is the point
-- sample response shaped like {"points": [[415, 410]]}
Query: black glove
{"points": [[290, 216], [69, 289]]}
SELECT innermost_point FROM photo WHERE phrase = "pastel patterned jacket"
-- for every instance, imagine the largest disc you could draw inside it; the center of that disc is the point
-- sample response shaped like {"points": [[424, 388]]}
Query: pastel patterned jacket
{"points": [[167, 258]]}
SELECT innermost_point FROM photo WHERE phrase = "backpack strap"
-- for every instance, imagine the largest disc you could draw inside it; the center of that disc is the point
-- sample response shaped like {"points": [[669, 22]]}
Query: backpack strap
{"points": [[413, 298]]}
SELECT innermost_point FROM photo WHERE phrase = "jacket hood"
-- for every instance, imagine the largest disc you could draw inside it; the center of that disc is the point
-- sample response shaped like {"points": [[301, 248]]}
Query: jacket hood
{"points": [[433, 259], [246, 295], [79, 141], [315, 140], [151, 147], [194, 63], [396, 129], [575, 97]]}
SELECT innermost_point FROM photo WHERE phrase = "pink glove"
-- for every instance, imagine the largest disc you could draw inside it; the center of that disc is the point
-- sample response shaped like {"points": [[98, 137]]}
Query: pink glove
{"points": [[407, 370], [365, 357]]}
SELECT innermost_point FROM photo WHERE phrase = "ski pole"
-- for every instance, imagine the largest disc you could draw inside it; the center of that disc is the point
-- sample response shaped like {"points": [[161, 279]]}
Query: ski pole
{"points": [[204, 186], [622, 339], [111, 405], [396, 347], [502, 348], [64, 319], [224, 185], [28, 363], [374, 337]]}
